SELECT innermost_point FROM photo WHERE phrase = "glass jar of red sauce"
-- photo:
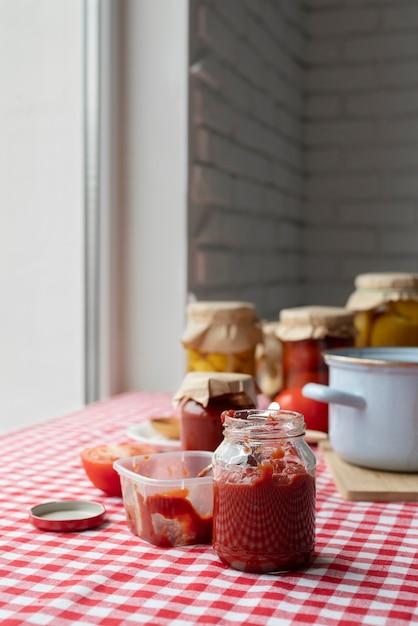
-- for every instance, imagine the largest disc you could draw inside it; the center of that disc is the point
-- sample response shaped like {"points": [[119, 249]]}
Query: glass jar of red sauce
{"points": [[203, 396], [264, 492], [305, 332]]}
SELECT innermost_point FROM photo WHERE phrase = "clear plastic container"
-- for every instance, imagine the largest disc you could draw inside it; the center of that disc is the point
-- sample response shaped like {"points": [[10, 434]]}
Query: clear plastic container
{"points": [[264, 492], [165, 501]]}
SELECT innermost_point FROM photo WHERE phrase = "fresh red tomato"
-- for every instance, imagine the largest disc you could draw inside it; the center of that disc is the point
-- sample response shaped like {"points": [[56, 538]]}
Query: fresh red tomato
{"points": [[315, 413], [98, 464]]}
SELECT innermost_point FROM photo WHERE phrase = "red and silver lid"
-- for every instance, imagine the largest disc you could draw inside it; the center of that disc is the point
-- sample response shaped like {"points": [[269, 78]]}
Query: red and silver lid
{"points": [[67, 515]]}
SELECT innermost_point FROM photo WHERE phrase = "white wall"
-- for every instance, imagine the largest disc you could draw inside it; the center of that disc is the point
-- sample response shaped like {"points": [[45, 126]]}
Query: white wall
{"points": [[41, 218], [247, 179], [362, 143]]}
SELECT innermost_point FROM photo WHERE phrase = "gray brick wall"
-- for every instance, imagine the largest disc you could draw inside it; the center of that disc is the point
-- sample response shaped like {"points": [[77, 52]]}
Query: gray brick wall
{"points": [[361, 140], [303, 147], [246, 151]]}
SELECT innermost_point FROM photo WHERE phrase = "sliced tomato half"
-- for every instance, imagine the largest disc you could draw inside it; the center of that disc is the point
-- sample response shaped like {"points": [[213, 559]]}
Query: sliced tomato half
{"points": [[98, 464]]}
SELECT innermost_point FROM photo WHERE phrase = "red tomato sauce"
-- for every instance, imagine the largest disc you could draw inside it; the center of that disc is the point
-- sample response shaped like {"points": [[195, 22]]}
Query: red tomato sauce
{"points": [[169, 519], [264, 518]]}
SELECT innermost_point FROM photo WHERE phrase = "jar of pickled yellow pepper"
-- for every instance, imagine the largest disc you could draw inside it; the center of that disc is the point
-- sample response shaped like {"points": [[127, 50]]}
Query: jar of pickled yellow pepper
{"points": [[386, 309], [221, 337]]}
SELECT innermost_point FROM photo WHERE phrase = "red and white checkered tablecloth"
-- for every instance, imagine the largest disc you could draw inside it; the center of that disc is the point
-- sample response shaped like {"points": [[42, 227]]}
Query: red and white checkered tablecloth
{"points": [[365, 571]]}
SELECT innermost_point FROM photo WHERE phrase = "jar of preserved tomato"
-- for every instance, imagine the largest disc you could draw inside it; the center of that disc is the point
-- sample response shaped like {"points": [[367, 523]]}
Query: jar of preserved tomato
{"points": [[305, 332], [264, 492], [386, 309], [202, 397], [221, 337]]}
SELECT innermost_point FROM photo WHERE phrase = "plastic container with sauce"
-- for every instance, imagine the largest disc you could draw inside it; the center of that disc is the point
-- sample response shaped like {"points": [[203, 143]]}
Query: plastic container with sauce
{"points": [[264, 492], [221, 337], [203, 396], [386, 309], [305, 332], [167, 502]]}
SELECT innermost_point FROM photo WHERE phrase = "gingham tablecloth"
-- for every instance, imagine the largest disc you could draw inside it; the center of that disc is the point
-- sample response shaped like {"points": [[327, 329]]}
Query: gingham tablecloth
{"points": [[365, 571]]}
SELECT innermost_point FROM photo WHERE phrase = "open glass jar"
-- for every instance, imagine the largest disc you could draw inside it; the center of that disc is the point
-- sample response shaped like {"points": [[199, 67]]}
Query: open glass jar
{"points": [[264, 492]]}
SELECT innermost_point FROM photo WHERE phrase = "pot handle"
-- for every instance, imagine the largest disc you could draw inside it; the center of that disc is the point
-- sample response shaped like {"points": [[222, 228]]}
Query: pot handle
{"points": [[323, 393]]}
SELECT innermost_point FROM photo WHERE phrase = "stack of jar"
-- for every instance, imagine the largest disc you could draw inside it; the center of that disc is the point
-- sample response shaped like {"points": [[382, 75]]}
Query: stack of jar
{"points": [[262, 468], [220, 342]]}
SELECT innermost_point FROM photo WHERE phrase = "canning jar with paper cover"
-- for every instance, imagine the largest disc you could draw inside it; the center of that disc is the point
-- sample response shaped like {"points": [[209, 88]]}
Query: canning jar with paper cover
{"points": [[221, 337], [202, 398], [386, 309]]}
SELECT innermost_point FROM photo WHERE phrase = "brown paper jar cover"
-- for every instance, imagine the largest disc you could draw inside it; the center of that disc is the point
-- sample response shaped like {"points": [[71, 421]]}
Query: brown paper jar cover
{"points": [[202, 386], [315, 322], [221, 327], [375, 289]]}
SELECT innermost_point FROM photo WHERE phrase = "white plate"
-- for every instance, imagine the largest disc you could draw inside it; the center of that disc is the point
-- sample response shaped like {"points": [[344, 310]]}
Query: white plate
{"points": [[144, 432]]}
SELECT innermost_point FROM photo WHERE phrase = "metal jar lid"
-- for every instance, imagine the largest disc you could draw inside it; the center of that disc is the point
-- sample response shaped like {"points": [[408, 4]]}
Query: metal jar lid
{"points": [[67, 515]]}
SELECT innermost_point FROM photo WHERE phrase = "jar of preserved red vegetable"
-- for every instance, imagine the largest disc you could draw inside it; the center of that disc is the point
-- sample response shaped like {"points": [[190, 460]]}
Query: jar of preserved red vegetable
{"points": [[305, 332], [221, 337], [203, 396], [264, 492]]}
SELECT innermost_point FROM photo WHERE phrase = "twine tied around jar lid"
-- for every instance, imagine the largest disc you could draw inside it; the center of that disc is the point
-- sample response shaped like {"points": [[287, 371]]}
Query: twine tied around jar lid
{"points": [[222, 327], [315, 322], [202, 386], [375, 289]]}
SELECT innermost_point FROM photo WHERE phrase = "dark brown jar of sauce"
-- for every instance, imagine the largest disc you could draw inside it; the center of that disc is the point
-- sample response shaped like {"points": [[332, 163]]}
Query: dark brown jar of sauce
{"points": [[203, 396]]}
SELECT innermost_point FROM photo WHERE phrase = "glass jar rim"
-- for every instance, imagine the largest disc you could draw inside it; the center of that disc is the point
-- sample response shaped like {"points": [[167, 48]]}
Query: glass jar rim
{"points": [[264, 423]]}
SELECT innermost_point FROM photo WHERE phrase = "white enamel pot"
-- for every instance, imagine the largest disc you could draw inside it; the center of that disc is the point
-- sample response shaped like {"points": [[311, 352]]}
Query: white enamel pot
{"points": [[373, 406]]}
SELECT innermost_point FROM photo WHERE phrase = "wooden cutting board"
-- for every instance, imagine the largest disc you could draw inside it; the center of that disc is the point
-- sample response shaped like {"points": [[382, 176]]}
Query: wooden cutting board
{"points": [[360, 484]]}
